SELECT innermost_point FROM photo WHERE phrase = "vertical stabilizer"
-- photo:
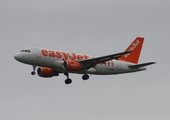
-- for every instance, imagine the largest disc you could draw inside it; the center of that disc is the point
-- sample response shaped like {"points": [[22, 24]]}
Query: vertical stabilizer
{"points": [[135, 48]]}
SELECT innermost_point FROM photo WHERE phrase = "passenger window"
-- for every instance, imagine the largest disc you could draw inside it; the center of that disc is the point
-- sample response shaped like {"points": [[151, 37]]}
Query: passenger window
{"points": [[25, 51]]}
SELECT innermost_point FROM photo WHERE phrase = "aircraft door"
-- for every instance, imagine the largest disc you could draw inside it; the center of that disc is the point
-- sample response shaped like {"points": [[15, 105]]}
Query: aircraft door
{"points": [[38, 53], [118, 65]]}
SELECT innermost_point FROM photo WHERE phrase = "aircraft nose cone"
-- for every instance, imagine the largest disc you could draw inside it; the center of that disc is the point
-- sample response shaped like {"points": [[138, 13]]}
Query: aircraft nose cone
{"points": [[17, 57]]}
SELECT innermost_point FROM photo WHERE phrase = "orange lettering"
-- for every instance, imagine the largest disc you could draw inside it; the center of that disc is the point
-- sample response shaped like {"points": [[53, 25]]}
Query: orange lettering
{"points": [[112, 63], [79, 57], [73, 57], [103, 63], [85, 56], [108, 63], [44, 52], [65, 56], [51, 53], [58, 55]]}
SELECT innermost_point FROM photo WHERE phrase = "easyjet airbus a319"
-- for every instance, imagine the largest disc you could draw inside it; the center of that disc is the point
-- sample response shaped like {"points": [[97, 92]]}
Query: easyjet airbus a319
{"points": [[53, 62]]}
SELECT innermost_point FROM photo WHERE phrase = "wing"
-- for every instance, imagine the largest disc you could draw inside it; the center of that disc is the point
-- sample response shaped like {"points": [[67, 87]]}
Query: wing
{"points": [[86, 64]]}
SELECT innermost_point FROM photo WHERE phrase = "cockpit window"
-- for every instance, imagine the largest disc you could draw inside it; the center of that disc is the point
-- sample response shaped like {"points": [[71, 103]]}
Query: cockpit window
{"points": [[25, 51]]}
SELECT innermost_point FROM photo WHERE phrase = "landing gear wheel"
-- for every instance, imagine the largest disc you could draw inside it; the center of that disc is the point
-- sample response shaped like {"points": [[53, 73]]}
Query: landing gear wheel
{"points": [[68, 81], [85, 77], [33, 73]]}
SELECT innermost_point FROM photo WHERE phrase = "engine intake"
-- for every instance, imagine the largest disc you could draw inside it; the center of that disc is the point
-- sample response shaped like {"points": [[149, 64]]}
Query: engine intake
{"points": [[71, 65], [46, 72]]}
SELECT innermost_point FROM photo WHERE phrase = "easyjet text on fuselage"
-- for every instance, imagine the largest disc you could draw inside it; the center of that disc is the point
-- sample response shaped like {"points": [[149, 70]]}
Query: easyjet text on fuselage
{"points": [[69, 56]]}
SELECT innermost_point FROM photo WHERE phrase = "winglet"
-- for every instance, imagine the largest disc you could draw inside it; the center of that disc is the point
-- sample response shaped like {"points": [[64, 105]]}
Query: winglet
{"points": [[135, 48]]}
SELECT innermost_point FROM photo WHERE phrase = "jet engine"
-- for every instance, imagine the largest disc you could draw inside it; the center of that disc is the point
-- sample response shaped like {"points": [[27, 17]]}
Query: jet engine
{"points": [[46, 72], [71, 65]]}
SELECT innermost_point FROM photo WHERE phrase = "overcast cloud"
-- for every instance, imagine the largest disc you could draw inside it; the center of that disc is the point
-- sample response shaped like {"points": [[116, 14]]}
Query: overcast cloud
{"points": [[94, 27]]}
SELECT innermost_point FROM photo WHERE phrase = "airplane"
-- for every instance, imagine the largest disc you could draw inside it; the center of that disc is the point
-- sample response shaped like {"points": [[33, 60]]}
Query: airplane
{"points": [[53, 62]]}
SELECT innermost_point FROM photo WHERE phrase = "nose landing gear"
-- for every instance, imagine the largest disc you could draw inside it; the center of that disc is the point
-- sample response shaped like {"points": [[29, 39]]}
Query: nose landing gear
{"points": [[33, 72]]}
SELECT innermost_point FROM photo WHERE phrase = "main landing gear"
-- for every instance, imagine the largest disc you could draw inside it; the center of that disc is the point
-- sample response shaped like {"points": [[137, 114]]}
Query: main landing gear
{"points": [[85, 77], [33, 72], [69, 81]]}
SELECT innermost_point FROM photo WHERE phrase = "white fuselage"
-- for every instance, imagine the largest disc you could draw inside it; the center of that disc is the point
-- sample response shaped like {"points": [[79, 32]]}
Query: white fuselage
{"points": [[54, 59]]}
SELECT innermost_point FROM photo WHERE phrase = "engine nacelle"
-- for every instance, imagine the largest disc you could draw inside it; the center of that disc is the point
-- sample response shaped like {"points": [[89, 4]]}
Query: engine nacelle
{"points": [[46, 72], [71, 65]]}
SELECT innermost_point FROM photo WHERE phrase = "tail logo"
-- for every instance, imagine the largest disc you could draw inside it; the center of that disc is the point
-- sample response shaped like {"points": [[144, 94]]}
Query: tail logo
{"points": [[134, 45]]}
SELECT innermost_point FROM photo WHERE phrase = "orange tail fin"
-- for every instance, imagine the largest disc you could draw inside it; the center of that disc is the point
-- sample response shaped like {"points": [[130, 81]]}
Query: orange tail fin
{"points": [[135, 48]]}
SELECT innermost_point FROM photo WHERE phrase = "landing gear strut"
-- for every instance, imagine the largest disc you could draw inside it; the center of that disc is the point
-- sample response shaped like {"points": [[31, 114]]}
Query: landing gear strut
{"points": [[68, 80], [33, 72]]}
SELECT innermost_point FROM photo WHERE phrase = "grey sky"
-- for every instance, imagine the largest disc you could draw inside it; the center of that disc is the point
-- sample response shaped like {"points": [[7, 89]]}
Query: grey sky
{"points": [[94, 27]]}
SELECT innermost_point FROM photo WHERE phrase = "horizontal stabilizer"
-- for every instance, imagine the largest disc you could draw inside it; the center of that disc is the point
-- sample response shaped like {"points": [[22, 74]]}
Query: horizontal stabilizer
{"points": [[141, 65]]}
